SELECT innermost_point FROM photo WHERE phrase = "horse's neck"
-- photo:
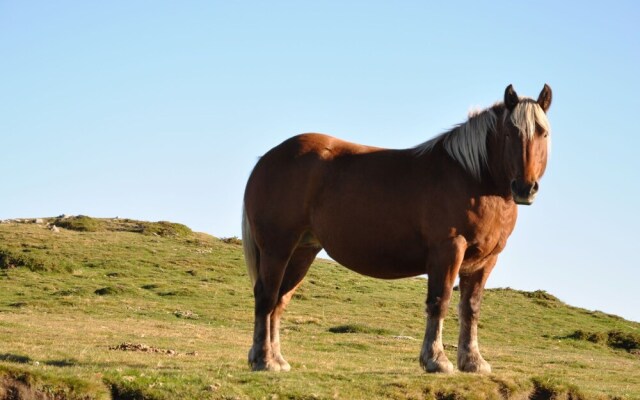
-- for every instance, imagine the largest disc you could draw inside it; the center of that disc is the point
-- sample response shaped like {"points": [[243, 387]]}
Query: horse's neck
{"points": [[488, 185]]}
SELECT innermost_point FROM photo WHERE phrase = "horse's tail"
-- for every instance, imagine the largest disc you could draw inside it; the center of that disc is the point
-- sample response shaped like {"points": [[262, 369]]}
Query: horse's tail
{"points": [[250, 248]]}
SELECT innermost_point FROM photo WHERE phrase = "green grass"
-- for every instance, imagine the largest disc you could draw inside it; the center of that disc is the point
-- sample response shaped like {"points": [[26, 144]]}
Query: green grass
{"points": [[69, 300]]}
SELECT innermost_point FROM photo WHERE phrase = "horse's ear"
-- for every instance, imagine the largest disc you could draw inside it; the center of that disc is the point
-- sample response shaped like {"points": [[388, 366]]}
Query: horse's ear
{"points": [[544, 100], [510, 98]]}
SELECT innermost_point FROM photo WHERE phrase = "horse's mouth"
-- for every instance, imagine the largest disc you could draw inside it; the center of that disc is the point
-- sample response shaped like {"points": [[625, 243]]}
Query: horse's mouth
{"points": [[524, 192], [523, 201]]}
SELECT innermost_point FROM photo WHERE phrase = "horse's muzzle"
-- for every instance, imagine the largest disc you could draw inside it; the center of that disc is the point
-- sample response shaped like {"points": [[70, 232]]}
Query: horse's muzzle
{"points": [[524, 193]]}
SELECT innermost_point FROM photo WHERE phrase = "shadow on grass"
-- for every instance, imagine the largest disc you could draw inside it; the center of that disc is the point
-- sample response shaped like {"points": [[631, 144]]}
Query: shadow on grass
{"points": [[61, 363], [20, 359], [357, 328], [16, 358]]}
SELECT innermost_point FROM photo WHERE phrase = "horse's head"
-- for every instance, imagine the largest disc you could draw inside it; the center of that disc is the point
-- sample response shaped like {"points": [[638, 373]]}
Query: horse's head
{"points": [[522, 138]]}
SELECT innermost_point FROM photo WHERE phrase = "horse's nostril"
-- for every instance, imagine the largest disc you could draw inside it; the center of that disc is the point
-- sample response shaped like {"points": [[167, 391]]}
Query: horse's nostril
{"points": [[534, 188], [523, 189]]}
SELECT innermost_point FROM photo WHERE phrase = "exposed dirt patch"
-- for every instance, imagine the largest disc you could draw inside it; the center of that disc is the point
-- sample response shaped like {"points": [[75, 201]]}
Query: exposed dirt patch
{"points": [[12, 388], [147, 349], [143, 348], [186, 314]]}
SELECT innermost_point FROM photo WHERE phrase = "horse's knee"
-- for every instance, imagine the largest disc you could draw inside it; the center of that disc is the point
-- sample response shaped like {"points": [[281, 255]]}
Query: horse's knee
{"points": [[437, 307], [469, 309]]}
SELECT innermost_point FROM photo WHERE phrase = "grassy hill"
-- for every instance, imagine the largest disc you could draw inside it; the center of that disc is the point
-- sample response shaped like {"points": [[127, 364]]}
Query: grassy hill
{"points": [[113, 308]]}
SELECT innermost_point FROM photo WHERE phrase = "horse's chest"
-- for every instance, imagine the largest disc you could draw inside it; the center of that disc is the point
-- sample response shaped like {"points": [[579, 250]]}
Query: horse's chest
{"points": [[482, 249], [487, 237]]}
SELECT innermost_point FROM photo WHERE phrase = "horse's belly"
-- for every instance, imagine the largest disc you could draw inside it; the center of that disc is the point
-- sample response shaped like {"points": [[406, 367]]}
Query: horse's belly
{"points": [[379, 262], [372, 243]]}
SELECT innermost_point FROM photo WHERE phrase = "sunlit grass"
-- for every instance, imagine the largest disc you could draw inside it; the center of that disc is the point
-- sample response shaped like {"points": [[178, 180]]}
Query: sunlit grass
{"points": [[346, 336]]}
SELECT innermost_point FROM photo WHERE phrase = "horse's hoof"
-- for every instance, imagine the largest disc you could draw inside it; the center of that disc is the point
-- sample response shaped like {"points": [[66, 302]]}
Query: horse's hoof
{"points": [[439, 364], [269, 365], [258, 363], [284, 365], [474, 363]]}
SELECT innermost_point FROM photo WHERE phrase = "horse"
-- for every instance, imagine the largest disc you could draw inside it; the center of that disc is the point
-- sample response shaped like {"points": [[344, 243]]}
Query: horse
{"points": [[444, 208]]}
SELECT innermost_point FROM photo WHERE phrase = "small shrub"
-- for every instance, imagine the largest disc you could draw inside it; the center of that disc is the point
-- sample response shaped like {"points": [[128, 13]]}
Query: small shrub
{"points": [[11, 259], [165, 229], [546, 388], [8, 260], [105, 291], [603, 315], [231, 240], [150, 286], [613, 339], [594, 337], [80, 223], [622, 340], [126, 390], [541, 295], [597, 337], [68, 292]]}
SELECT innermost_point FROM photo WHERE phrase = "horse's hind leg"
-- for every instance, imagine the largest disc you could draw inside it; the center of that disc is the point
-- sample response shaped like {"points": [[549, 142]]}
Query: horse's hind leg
{"points": [[281, 268], [270, 274], [296, 270]]}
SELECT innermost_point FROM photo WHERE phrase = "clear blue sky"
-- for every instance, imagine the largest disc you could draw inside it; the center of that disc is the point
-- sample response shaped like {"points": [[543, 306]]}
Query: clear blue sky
{"points": [[158, 111]]}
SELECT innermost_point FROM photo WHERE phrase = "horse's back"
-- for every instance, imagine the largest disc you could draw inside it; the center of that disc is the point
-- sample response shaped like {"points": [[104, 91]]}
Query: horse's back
{"points": [[288, 177], [324, 146], [296, 161]]}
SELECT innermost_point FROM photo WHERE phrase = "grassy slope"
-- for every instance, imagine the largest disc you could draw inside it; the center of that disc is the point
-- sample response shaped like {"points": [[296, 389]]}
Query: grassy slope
{"points": [[176, 290]]}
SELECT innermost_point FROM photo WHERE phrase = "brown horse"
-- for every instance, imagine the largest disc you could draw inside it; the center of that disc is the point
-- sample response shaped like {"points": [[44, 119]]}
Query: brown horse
{"points": [[444, 208]]}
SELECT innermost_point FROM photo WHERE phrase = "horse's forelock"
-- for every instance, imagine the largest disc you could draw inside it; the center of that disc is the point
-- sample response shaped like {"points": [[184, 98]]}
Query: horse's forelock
{"points": [[525, 116]]}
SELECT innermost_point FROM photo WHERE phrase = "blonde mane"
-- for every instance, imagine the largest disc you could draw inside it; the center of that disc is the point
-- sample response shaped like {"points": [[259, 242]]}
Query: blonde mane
{"points": [[467, 143]]}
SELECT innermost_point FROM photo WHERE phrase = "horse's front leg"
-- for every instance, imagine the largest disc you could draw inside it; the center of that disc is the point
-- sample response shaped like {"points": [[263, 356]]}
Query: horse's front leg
{"points": [[471, 289], [443, 266]]}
